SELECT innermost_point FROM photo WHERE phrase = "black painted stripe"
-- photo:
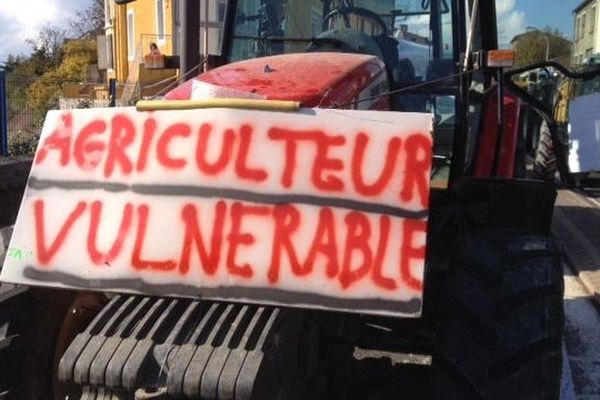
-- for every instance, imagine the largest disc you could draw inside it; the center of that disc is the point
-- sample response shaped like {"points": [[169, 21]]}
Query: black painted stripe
{"points": [[259, 295], [231, 194]]}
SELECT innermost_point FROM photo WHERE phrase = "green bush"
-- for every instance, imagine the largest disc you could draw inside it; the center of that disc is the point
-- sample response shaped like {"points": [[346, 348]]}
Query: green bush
{"points": [[22, 143]]}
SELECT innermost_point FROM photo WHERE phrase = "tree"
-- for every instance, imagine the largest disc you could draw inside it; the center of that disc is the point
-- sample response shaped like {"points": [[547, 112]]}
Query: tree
{"points": [[89, 22], [531, 47], [43, 94], [37, 82], [47, 47]]}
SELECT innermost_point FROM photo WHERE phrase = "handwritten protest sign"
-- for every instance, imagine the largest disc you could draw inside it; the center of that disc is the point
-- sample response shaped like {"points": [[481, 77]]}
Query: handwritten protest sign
{"points": [[320, 208]]}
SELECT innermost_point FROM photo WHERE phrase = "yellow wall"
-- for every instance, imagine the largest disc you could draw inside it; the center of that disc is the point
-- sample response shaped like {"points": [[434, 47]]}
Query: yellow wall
{"points": [[116, 25], [145, 31], [120, 26]]}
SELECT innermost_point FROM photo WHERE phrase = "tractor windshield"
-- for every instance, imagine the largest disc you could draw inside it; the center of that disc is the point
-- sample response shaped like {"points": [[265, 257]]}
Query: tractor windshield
{"points": [[417, 34], [418, 40]]}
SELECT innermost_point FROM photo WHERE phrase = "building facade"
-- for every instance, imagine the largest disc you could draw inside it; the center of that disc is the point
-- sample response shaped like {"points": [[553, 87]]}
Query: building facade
{"points": [[131, 28], [586, 31]]}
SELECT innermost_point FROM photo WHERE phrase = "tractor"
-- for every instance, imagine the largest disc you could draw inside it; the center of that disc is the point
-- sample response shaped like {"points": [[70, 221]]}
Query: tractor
{"points": [[489, 324]]}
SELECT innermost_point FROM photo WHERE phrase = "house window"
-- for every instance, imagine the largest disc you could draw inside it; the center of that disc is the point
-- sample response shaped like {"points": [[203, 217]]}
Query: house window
{"points": [[107, 19], [577, 28], [160, 20], [109, 52], [130, 36], [593, 20], [222, 6], [582, 30], [316, 21]]}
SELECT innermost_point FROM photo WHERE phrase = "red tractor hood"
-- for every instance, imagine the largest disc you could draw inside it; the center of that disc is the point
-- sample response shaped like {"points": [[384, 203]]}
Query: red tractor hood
{"points": [[315, 79]]}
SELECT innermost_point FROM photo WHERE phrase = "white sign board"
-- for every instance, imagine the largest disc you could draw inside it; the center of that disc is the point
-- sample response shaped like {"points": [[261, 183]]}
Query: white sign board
{"points": [[320, 208], [584, 133]]}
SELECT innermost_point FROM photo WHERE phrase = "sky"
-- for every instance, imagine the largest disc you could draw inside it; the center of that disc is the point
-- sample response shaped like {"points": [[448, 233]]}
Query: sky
{"points": [[20, 19], [515, 15]]}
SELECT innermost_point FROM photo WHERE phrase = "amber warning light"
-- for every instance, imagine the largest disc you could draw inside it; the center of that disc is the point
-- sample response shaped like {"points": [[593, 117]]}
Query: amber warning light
{"points": [[500, 58]]}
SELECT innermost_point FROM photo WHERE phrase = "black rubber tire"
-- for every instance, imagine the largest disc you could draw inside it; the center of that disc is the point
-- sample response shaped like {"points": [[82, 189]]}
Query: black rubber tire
{"points": [[502, 319], [30, 324], [544, 165]]}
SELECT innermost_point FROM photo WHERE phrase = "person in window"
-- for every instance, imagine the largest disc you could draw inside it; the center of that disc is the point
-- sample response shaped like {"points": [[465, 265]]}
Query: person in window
{"points": [[154, 49]]}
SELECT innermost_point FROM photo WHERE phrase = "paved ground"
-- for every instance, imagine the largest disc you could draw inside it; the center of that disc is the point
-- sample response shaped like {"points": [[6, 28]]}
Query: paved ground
{"points": [[582, 342], [577, 226]]}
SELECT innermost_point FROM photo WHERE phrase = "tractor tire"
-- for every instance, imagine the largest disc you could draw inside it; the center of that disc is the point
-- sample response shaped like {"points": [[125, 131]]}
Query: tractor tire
{"points": [[544, 164], [36, 325], [501, 325]]}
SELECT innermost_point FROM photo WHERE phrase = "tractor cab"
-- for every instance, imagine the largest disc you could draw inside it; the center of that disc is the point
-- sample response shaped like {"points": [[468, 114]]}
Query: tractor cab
{"points": [[379, 55], [416, 41]]}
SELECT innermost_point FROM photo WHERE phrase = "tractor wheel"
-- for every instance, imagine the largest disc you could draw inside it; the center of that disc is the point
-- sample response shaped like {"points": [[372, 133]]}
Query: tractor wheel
{"points": [[544, 165], [501, 325], [36, 326]]}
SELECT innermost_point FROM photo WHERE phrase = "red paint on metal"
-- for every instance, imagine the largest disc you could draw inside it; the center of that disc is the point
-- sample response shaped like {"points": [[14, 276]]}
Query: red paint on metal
{"points": [[488, 135], [315, 79]]}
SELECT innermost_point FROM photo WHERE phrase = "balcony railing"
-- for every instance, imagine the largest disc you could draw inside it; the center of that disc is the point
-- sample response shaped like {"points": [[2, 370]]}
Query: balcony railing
{"points": [[146, 79]]}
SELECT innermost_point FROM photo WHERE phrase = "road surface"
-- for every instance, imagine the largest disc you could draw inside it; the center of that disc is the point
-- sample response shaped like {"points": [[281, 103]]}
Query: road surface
{"points": [[582, 342]]}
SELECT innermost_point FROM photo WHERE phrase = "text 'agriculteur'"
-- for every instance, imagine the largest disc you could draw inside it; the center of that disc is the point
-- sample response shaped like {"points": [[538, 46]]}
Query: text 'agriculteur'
{"points": [[322, 207]]}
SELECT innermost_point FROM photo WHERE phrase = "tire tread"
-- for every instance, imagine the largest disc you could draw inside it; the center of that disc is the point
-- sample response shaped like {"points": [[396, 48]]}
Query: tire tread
{"points": [[501, 338]]}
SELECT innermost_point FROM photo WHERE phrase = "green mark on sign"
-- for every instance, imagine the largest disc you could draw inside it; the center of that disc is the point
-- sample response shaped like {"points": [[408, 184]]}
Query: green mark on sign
{"points": [[18, 254]]}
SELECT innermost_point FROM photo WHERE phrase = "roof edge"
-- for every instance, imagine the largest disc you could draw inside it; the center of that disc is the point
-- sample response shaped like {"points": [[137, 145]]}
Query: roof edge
{"points": [[581, 6]]}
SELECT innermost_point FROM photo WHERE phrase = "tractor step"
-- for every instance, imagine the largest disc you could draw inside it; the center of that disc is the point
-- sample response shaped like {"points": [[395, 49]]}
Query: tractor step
{"points": [[163, 348]]}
